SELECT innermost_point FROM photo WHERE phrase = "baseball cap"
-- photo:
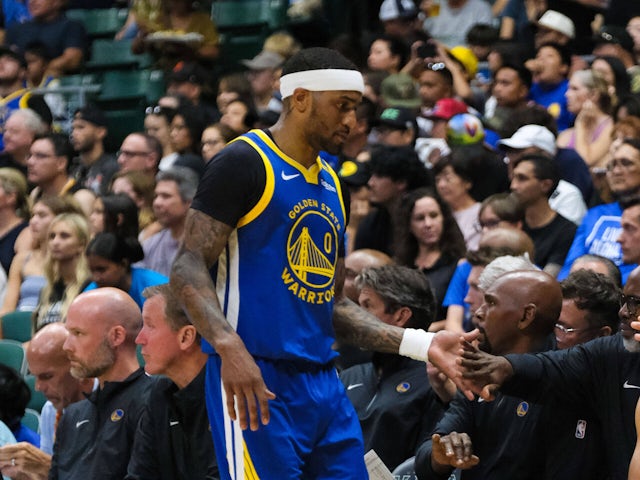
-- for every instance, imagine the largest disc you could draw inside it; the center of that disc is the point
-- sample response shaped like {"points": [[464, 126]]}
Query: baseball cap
{"points": [[464, 129], [15, 54], [91, 114], [532, 136], [354, 174], [557, 21], [263, 60], [445, 108], [394, 9], [188, 72], [466, 57], [616, 35], [399, 90], [397, 117]]}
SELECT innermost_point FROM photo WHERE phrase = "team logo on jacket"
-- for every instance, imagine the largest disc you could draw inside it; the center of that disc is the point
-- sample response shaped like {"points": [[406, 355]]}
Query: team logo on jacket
{"points": [[312, 251], [581, 429], [522, 409], [403, 387], [117, 415]]}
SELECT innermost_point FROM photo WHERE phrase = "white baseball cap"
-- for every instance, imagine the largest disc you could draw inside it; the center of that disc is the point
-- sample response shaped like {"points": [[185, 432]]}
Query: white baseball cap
{"points": [[392, 9], [532, 136], [557, 21]]}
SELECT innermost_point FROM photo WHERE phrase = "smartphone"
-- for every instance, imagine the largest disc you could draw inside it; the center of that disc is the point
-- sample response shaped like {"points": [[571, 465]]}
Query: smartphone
{"points": [[427, 50]]}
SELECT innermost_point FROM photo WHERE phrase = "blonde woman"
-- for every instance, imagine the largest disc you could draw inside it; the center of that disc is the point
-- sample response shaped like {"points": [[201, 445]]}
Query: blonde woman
{"points": [[65, 268], [26, 275], [589, 98]]}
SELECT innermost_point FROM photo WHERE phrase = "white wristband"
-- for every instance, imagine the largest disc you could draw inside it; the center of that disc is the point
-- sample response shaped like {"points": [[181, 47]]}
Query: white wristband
{"points": [[415, 344]]}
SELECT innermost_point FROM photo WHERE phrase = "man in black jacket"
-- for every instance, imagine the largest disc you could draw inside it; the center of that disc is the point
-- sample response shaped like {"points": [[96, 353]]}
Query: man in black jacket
{"points": [[174, 437], [602, 375], [94, 436]]}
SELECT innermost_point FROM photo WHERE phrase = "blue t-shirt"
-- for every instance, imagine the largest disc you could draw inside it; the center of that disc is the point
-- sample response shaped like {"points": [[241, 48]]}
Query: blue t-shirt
{"points": [[553, 99], [25, 434], [141, 278]]}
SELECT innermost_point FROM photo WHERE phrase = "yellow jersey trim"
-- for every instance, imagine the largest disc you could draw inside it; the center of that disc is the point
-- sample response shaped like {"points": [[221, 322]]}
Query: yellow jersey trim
{"points": [[269, 187], [249, 469], [310, 175]]}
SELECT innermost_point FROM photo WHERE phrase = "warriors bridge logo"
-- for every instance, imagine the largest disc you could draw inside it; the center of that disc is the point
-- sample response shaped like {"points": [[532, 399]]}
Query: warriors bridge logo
{"points": [[312, 252]]}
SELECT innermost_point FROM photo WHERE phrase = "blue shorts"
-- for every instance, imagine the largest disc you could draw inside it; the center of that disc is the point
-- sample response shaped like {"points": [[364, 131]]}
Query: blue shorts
{"points": [[313, 433]]}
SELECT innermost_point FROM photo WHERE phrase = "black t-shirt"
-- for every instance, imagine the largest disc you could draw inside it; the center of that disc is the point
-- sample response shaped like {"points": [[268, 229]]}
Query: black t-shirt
{"points": [[233, 183], [552, 241]]}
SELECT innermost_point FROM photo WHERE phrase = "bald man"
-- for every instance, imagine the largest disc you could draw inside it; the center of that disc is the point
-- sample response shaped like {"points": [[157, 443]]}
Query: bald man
{"points": [[356, 262], [517, 315], [601, 376], [49, 364], [493, 244], [95, 436]]}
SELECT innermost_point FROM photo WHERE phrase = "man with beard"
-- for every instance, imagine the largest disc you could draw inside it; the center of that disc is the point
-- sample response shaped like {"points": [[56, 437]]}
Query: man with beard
{"points": [[95, 436], [602, 376], [600, 229], [49, 364], [517, 315], [13, 94], [92, 168]]}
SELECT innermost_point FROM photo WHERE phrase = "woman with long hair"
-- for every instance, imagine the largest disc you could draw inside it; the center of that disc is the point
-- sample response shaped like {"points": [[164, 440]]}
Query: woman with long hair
{"points": [[116, 213], [429, 238], [588, 97], [65, 268], [454, 180], [26, 276], [110, 257]]}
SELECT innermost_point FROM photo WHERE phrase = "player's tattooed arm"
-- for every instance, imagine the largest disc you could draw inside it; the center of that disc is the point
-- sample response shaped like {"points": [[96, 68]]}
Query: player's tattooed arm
{"points": [[246, 393], [355, 326]]}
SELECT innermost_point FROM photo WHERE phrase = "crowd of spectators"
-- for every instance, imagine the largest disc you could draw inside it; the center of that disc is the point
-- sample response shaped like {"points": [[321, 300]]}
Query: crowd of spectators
{"points": [[490, 131]]}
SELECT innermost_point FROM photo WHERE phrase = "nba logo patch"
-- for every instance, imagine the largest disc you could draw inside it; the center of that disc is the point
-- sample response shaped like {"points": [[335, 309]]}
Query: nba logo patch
{"points": [[581, 429], [403, 387], [117, 415], [523, 409]]}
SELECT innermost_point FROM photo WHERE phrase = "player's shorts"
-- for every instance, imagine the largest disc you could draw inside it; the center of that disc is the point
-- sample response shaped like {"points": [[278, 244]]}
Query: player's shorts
{"points": [[313, 433]]}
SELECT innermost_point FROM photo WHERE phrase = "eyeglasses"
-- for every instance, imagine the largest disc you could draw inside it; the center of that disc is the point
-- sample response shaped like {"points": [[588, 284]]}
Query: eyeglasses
{"points": [[567, 331], [631, 301], [158, 110], [130, 154], [211, 143], [625, 163], [436, 66]]}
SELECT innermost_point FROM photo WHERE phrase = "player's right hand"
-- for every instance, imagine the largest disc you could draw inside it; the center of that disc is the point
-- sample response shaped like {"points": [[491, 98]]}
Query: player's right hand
{"points": [[454, 450], [247, 395]]}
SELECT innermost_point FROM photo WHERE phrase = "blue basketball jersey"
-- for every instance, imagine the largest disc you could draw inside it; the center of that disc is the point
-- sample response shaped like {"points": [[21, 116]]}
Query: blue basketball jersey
{"points": [[275, 279]]}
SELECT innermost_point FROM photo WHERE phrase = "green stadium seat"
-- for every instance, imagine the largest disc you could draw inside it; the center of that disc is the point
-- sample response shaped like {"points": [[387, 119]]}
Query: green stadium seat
{"points": [[100, 22], [12, 354], [107, 54], [17, 326], [127, 85], [121, 123]]}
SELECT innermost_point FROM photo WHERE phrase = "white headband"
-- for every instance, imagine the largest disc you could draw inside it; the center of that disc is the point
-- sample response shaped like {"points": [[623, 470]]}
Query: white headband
{"points": [[321, 81]]}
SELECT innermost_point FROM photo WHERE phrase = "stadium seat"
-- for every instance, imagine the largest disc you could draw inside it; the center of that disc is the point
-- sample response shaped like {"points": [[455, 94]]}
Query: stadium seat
{"points": [[37, 398], [17, 326], [12, 354], [107, 54], [100, 22], [121, 123], [405, 471], [130, 85], [31, 420]]}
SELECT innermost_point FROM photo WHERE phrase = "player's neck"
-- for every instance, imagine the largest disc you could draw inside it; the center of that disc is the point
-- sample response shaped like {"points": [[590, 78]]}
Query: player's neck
{"points": [[288, 140]]}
